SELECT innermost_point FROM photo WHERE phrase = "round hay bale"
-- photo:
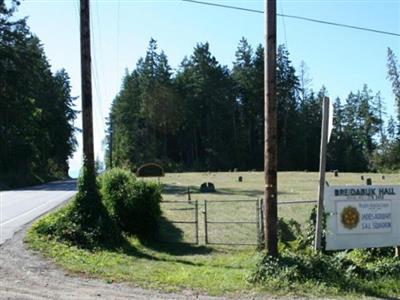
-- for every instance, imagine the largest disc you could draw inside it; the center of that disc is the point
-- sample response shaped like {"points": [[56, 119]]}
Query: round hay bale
{"points": [[150, 170], [207, 187]]}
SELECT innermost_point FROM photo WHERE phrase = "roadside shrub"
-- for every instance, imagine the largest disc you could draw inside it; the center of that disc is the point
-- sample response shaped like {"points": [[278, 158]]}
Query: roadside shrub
{"points": [[307, 238], [145, 208], [288, 231], [84, 222], [386, 267], [364, 256], [133, 204], [336, 270], [116, 190], [301, 267]]}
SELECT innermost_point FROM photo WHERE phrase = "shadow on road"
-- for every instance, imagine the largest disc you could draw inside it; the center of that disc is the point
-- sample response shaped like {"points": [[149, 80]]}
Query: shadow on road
{"points": [[66, 185]]}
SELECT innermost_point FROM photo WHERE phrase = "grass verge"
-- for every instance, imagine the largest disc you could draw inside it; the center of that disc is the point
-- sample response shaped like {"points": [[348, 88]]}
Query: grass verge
{"points": [[165, 267], [218, 270]]}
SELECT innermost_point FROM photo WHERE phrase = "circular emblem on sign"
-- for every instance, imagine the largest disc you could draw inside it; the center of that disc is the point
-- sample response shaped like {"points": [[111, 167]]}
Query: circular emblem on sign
{"points": [[350, 217]]}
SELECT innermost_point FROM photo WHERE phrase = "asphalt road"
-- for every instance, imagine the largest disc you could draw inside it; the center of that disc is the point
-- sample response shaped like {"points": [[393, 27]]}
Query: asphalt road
{"points": [[20, 207]]}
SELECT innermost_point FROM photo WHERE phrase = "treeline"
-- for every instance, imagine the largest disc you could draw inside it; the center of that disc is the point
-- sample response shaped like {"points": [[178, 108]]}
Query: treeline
{"points": [[205, 116], [36, 107]]}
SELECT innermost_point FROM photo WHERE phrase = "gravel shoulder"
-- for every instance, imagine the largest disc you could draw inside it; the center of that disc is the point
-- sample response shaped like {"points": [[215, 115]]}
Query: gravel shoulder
{"points": [[26, 275]]}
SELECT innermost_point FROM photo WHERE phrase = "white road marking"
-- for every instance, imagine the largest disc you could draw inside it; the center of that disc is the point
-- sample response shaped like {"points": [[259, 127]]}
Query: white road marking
{"points": [[25, 213], [20, 207]]}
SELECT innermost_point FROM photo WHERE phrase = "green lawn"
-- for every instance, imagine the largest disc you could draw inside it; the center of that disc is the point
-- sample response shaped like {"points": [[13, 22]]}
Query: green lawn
{"points": [[292, 186], [211, 269]]}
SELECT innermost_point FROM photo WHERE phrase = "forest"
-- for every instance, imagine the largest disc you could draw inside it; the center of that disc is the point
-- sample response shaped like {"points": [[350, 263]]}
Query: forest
{"points": [[37, 135], [207, 117], [203, 116]]}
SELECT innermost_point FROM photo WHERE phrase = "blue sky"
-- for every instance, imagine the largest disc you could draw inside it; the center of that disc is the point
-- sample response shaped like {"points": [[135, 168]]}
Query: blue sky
{"points": [[339, 58]]}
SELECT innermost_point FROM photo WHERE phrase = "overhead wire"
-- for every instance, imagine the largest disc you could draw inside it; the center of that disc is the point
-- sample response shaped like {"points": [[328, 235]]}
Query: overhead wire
{"points": [[117, 37], [97, 109], [102, 88], [297, 17], [284, 26]]}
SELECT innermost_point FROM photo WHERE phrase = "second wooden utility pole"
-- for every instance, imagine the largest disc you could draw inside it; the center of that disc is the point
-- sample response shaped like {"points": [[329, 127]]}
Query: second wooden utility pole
{"points": [[86, 77], [322, 171], [270, 131]]}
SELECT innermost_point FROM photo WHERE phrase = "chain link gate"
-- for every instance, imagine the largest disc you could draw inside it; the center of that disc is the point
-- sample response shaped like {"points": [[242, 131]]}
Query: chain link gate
{"points": [[233, 222], [179, 223], [225, 222]]}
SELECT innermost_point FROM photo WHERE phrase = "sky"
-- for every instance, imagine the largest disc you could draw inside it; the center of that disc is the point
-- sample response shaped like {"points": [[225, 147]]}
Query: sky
{"points": [[341, 59]]}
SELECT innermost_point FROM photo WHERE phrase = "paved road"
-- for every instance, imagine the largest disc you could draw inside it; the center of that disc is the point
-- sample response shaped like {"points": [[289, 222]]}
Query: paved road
{"points": [[20, 207]]}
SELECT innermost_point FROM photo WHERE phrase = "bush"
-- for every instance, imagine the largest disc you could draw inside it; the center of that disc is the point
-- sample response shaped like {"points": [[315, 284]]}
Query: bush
{"points": [[84, 222], [307, 238], [133, 204], [339, 269], [301, 267], [288, 231], [116, 189]]}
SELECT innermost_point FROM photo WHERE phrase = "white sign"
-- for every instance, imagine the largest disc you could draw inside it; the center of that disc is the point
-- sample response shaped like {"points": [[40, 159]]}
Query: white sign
{"points": [[362, 216], [330, 123]]}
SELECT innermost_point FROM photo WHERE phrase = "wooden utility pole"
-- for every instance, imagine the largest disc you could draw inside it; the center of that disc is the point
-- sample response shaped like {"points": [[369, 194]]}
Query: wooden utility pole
{"points": [[322, 171], [270, 131], [86, 77]]}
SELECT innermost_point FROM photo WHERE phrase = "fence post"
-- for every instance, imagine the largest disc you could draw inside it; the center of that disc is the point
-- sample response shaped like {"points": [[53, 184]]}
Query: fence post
{"points": [[205, 223], [258, 221], [196, 218], [261, 216], [189, 198]]}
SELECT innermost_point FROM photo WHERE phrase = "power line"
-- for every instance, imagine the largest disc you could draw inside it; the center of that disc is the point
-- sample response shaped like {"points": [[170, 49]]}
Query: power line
{"points": [[97, 108], [226, 6], [297, 17], [102, 88], [284, 27], [118, 36], [341, 25]]}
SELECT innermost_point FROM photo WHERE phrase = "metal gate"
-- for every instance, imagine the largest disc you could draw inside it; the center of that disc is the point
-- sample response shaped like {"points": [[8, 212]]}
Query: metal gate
{"points": [[233, 222], [225, 222], [179, 223]]}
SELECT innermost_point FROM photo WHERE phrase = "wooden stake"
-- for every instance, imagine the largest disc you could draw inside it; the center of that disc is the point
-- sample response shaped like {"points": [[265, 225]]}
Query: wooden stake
{"points": [[86, 77], [270, 129], [322, 170]]}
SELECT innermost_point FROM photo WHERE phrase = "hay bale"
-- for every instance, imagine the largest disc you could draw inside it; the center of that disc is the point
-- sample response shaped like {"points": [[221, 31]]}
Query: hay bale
{"points": [[207, 187], [150, 170]]}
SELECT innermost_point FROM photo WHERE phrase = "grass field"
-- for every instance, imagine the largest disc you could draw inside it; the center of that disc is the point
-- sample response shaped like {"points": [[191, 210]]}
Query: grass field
{"points": [[211, 269], [292, 187]]}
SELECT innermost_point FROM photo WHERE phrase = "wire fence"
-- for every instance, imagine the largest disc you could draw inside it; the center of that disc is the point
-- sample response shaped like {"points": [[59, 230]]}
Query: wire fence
{"points": [[179, 222], [223, 222], [232, 222]]}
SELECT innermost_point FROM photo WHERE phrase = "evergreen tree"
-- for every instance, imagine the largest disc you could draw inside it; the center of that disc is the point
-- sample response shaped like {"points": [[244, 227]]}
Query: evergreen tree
{"points": [[288, 104], [36, 108], [206, 117], [207, 92], [394, 77], [249, 103]]}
